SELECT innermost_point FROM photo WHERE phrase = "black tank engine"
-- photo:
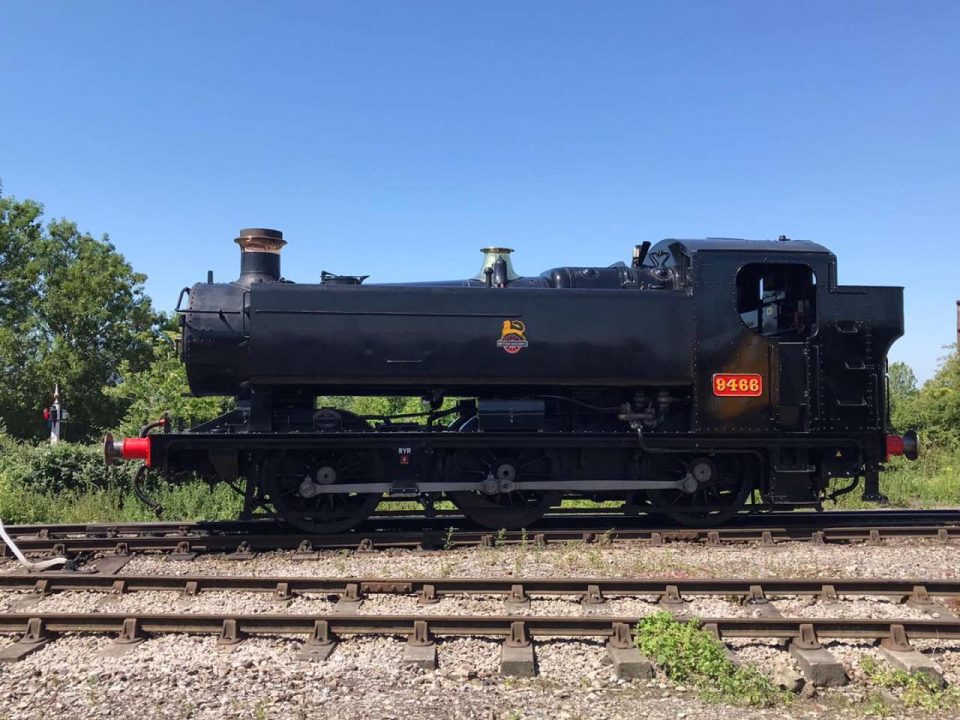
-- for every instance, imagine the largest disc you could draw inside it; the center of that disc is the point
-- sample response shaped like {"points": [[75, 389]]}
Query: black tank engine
{"points": [[705, 378]]}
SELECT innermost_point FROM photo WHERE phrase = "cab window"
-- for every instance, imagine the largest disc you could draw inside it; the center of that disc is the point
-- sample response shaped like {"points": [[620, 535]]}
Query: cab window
{"points": [[778, 300]]}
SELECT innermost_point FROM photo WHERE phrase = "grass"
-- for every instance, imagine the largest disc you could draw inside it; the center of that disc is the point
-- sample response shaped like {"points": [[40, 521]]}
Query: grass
{"points": [[192, 501], [414, 506], [932, 480], [693, 657], [590, 504], [914, 690], [669, 562]]}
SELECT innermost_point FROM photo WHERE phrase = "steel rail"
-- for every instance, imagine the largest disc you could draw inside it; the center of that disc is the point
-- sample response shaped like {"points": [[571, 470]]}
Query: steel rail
{"points": [[602, 519], [193, 542], [919, 588], [236, 626]]}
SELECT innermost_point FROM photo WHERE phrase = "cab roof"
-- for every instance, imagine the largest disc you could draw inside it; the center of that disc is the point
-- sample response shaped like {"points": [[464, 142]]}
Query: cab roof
{"points": [[766, 247]]}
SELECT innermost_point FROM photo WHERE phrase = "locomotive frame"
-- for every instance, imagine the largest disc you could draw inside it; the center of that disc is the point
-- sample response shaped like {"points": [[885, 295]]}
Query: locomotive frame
{"points": [[707, 378]]}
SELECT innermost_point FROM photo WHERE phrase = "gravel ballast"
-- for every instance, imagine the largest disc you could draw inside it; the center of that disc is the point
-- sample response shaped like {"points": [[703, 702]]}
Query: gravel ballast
{"points": [[893, 559], [184, 676]]}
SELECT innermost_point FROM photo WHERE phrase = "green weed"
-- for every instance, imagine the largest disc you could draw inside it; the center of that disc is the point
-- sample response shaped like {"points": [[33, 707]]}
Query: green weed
{"points": [[595, 560], [693, 657], [916, 690], [590, 504], [877, 705], [669, 564]]}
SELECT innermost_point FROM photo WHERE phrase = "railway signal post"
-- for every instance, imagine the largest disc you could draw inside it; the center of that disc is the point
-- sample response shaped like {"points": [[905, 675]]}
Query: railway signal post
{"points": [[55, 415]]}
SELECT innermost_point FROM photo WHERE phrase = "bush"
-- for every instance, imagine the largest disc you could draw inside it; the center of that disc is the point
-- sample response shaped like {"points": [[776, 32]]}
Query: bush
{"points": [[934, 410], [929, 481], [69, 483], [35, 487], [690, 655], [53, 469], [40, 483]]}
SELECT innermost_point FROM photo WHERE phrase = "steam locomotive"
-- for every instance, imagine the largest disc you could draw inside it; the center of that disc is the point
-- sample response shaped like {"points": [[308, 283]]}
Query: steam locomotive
{"points": [[705, 378]]}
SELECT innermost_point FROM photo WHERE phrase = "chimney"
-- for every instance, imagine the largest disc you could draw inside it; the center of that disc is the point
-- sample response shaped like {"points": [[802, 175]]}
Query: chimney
{"points": [[490, 257], [259, 255]]}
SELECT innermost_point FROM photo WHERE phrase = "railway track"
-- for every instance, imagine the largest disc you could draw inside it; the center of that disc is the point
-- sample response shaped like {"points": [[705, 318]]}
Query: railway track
{"points": [[233, 626], [334, 607], [515, 624], [918, 592], [599, 519], [185, 540], [322, 634]]}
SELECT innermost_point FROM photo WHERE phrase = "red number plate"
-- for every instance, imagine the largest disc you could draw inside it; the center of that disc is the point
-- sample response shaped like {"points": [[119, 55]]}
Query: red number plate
{"points": [[737, 385]]}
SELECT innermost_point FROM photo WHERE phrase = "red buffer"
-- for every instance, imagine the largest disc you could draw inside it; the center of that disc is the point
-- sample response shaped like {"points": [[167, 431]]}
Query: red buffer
{"points": [[127, 449], [907, 445]]}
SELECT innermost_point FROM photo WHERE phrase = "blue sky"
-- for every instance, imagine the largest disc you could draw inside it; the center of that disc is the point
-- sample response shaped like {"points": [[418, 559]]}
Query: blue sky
{"points": [[397, 138]]}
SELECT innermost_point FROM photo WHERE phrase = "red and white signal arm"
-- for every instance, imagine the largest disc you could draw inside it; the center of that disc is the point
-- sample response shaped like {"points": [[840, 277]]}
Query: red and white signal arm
{"points": [[738, 385]]}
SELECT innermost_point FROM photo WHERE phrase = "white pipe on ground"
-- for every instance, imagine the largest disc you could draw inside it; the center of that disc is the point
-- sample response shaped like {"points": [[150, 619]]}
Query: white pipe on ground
{"points": [[21, 558]]}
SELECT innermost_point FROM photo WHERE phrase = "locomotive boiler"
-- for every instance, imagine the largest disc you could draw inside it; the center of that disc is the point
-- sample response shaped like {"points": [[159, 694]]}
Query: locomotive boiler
{"points": [[702, 379]]}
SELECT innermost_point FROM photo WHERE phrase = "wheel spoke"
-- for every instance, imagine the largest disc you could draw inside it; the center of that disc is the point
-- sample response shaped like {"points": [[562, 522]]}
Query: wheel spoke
{"points": [[511, 510], [719, 496], [282, 475]]}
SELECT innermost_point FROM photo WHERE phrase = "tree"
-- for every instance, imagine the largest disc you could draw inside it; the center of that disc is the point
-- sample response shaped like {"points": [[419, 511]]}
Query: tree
{"points": [[161, 388], [71, 311], [902, 383], [934, 410]]}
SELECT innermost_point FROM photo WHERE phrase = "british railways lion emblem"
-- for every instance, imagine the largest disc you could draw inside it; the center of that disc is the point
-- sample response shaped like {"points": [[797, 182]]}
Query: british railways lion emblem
{"points": [[512, 337]]}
